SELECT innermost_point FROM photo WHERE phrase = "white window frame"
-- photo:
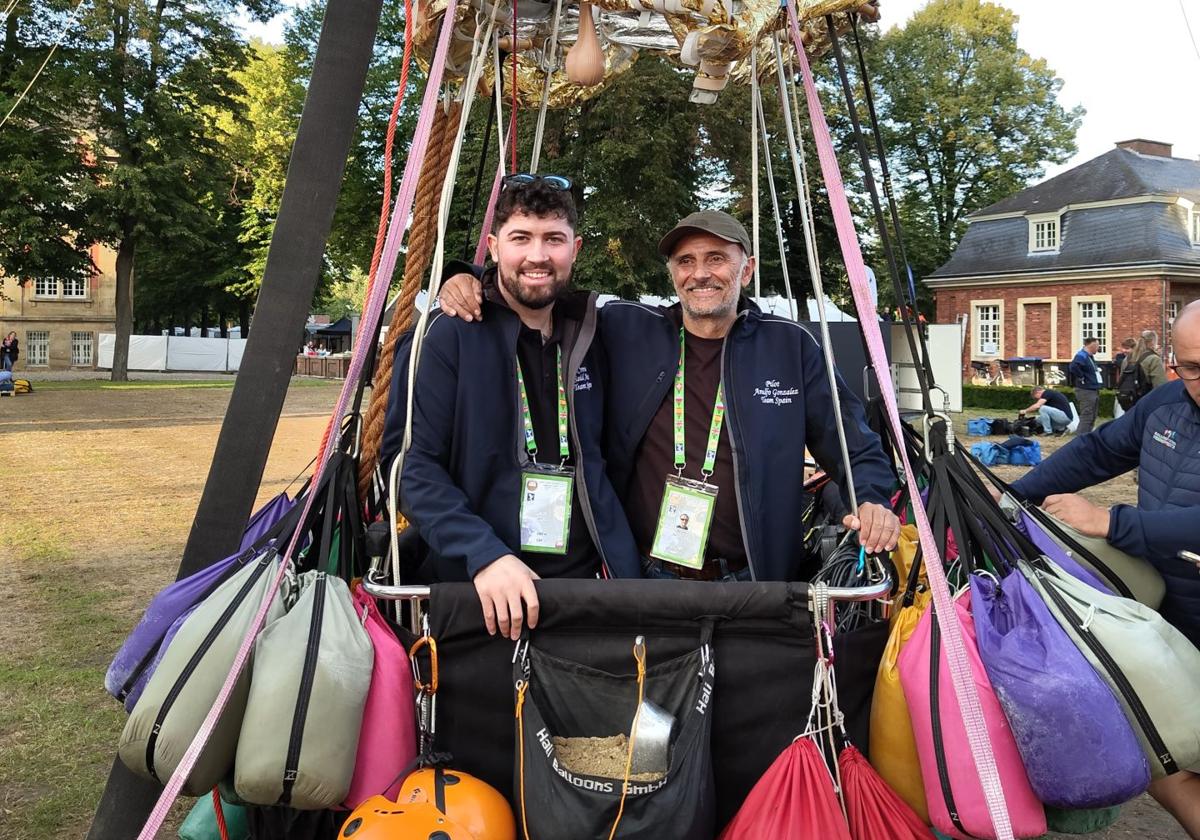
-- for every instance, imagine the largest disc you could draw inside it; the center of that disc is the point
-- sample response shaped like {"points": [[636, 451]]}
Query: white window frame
{"points": [[976, 328], [1194, 227], [1077, 324], [55, 289], [1051, 243], [37, 348], [82, 340]]}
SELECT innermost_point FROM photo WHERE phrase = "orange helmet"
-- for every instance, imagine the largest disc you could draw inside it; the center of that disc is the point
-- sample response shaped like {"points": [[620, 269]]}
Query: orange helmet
{"points": [[435, 804]]}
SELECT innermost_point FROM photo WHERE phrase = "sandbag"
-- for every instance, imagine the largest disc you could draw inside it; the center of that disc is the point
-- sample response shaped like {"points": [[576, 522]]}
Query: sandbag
{"points": [[990, 454], [312, 671], [201, 821], [957, 806], [185, 686], [143, 649], [1152, 668], [563, 698], [980, 426], [1042, 681], [893, 746], [1143, 581], [389, 716]]}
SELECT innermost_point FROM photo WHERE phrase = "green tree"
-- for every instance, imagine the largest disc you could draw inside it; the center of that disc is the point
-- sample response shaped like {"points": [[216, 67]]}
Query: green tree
{"points": [[45, 178], [970, 118], [162, 71]]}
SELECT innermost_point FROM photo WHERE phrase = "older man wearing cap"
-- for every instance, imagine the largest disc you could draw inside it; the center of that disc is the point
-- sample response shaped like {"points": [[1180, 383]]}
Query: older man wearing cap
{"points": [[710, 408]]}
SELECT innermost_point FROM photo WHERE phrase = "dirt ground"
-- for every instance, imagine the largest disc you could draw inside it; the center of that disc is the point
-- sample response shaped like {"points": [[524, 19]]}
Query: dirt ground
{"points": [[99, 489]]}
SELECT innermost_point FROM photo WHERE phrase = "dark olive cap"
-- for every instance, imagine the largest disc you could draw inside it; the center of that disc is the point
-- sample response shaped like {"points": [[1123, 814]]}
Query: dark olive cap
{"points": [[719, 224]]}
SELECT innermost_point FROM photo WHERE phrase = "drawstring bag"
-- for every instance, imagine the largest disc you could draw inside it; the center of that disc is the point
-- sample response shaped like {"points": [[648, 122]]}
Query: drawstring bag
{"points": [[202, 822], [185, 686], [666, 707], [148, 641], [957, 806], [1152, 668], [300, 731], [873, 809], [893, 747], [1073, 760], [389, 740], [794, 800]]}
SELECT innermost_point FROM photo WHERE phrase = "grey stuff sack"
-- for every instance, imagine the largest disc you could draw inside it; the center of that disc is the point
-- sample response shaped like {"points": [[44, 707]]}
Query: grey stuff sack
{"points": [[1138, 575], [184, 687], [312, 670], [1152, 668]]}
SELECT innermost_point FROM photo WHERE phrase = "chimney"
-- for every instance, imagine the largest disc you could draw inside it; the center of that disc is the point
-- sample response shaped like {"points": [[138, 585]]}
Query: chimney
{"points": [[1146, 147]]}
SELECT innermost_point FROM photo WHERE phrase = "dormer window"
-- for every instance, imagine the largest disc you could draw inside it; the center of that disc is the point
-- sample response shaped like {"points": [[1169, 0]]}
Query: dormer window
{"points": [[1044, 234], [1195, 226]]}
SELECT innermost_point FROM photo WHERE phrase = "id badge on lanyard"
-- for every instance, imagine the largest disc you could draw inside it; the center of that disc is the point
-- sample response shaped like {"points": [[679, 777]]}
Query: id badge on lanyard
{"points": [[546, 491], [686, 513]]}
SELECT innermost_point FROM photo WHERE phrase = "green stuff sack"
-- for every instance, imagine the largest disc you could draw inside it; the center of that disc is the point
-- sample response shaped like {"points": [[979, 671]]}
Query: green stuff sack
{"points": [[1137, 575], [312, 670], [201, 821], [188, 679], [1152, 668]]}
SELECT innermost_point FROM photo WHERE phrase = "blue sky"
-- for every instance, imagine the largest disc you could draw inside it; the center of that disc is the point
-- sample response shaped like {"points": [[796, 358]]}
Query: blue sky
{"points": [[1133, 66]]}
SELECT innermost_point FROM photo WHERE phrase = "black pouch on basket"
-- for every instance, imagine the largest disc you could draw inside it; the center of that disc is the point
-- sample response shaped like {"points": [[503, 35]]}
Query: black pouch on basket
{"points": [[562, 699]]}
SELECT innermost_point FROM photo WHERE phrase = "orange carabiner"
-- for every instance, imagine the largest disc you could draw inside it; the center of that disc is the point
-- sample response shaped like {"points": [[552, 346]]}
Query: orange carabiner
{"points": [[425, 641]]}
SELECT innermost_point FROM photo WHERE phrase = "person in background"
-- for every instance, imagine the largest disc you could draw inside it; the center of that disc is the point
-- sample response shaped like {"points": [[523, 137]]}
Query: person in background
{"points": [[1084, 376], [1052, 408], [10, 351], [1119, 364], [1146, 354]]}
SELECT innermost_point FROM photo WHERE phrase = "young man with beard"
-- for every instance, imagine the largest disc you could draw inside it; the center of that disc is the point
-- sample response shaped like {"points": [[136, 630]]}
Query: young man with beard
{"points": [[504, 479], [710, 406]]}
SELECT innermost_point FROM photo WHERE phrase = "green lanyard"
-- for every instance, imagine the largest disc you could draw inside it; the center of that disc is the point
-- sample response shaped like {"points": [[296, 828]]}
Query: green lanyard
{"points": [[714, 428], [530, 442]]}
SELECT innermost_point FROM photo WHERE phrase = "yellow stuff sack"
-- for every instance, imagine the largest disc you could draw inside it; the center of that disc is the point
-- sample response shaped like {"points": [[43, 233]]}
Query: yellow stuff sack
{"points": [[22, 386]]}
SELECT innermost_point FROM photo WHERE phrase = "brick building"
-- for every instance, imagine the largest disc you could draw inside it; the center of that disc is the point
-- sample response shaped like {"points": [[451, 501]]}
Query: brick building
{"points": [[57, 322], [1109, 248]]}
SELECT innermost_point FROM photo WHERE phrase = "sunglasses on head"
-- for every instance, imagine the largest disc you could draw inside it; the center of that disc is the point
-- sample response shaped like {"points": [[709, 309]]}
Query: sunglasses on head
{"points": [[521, 179]]}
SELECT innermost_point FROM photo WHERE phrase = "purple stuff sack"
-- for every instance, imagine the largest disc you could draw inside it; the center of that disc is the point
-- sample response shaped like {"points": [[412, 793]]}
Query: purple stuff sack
{"points": [[1038, 536], [139, 655], [1077, 745], [263, 518]]}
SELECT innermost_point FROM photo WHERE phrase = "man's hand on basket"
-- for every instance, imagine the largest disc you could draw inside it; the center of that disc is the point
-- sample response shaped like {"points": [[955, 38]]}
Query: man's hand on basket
{"points": [[878, 528], [461, 296], [502, 586]]}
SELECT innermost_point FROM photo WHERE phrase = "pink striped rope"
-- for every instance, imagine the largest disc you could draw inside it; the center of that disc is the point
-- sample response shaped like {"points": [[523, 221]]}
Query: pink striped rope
{"points": [[490, 215], [373, 310], [964, 685]]}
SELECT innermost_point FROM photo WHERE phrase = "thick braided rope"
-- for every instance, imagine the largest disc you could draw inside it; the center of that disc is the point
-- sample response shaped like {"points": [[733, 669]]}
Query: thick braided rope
{"points": [[420, 253]]}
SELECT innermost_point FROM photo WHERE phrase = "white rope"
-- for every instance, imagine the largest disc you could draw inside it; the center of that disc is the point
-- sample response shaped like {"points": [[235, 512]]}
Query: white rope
{"points": [[783, 262], [549, 65], [5, 13], [814, 270], [499, 95], [754, 172], [470, 87], [62, 34]]}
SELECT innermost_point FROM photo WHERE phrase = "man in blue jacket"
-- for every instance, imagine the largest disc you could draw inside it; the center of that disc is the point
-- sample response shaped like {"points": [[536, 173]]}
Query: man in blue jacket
{"points": [[708, 455], [710, 407], [1085, 377], [1160, 436], [504, 479]]}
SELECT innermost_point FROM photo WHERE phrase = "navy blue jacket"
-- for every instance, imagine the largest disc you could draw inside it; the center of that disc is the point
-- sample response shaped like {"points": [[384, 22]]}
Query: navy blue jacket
{"points": [[1161, 436], [1083, 371], [777, 401], [461, 479]]}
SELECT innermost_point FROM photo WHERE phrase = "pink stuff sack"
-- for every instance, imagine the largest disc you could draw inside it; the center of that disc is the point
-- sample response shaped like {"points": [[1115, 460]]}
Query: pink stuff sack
{"points": [[1025, 811], [388, 743]]}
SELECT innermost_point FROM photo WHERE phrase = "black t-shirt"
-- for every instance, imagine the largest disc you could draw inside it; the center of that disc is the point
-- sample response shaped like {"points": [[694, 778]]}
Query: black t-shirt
{"points": [[656, 458], [1056, 400], [539, 365]]}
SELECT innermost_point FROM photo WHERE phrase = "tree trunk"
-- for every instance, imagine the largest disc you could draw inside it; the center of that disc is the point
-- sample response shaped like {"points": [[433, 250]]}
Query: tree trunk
{"points": [[224, 323], [244, 317], [204, 321], [120, 368]]}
